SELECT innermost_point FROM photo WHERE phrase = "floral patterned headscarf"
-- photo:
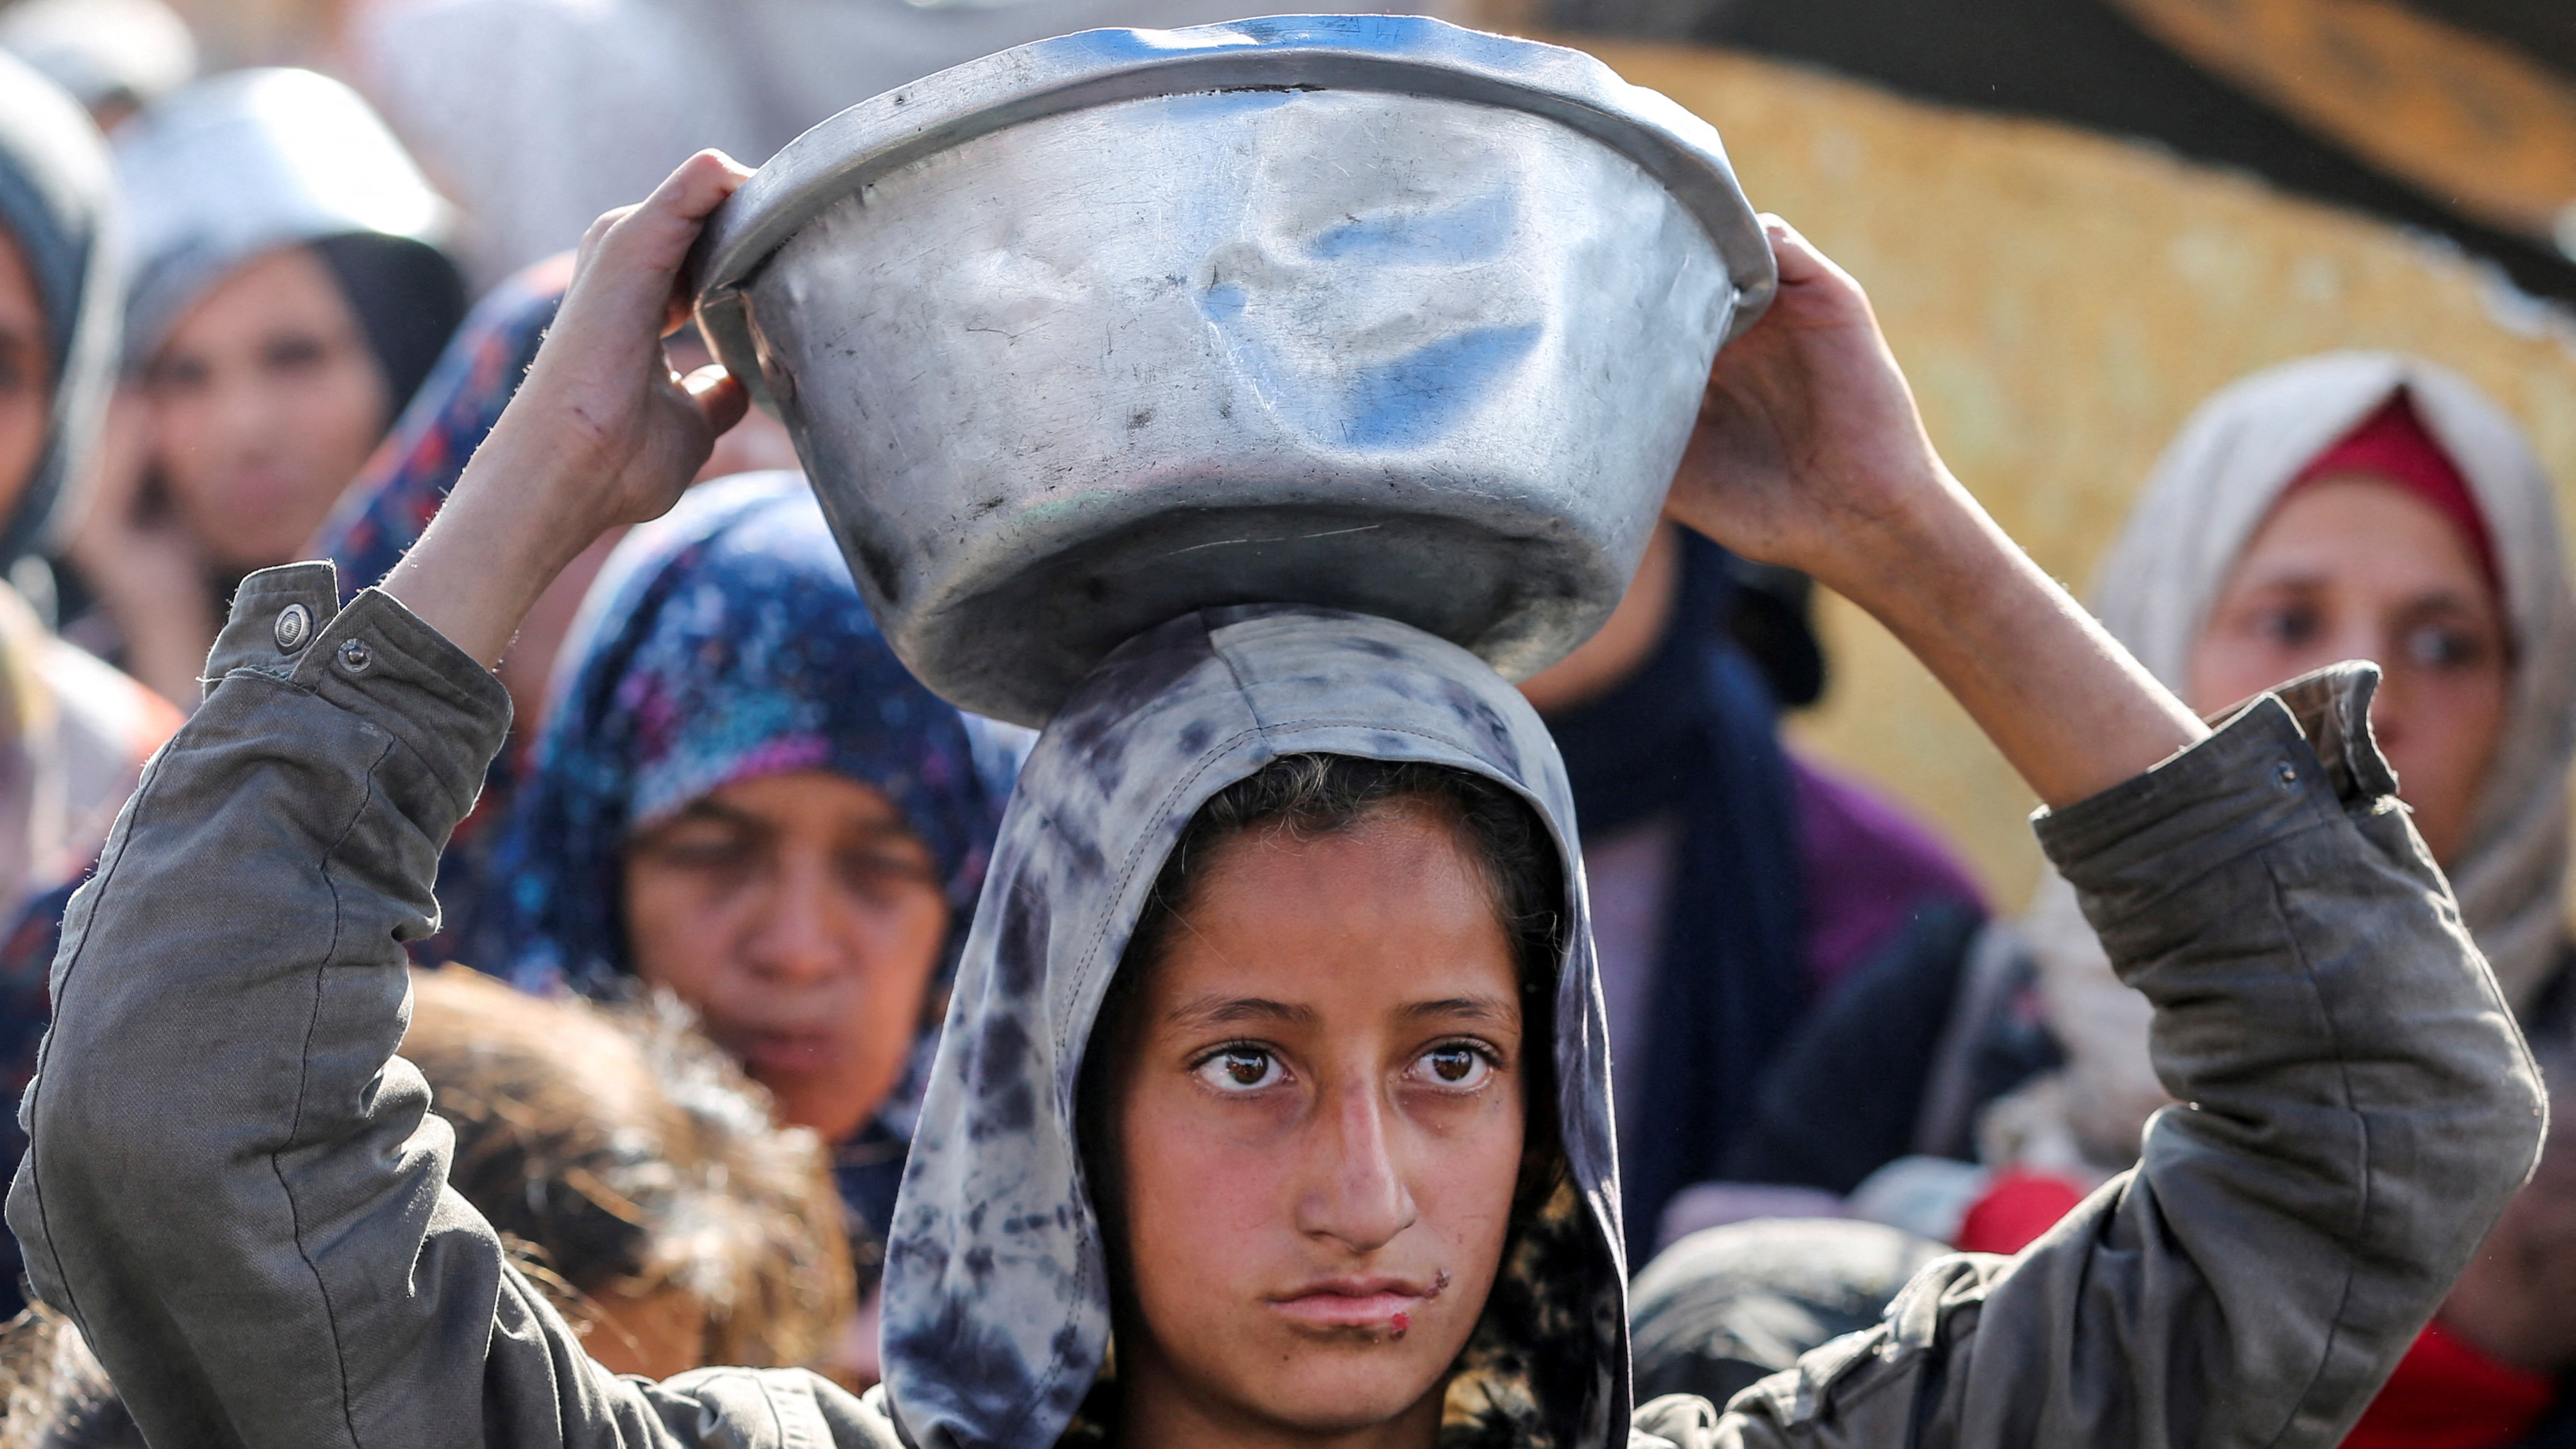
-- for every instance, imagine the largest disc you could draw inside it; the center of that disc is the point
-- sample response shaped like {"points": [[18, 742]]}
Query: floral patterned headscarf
{"points": [[722, 643]]}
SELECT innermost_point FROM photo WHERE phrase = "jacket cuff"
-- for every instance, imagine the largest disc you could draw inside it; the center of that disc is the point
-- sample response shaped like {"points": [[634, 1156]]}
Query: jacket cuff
{"points": [[2289, 761], [374, 658]]}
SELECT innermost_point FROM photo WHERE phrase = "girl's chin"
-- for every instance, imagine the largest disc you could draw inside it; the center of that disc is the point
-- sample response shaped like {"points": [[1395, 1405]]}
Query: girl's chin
{"points": [[1321, 1399]]}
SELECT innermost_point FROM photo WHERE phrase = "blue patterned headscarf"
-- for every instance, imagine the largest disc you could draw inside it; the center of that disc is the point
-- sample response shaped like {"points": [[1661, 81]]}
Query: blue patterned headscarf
{"points": [[721, 643]]}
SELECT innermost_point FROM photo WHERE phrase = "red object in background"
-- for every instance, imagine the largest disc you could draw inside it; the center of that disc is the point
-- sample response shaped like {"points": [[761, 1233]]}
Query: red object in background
{"points": [[2019, 1207], [2447, 1395]]}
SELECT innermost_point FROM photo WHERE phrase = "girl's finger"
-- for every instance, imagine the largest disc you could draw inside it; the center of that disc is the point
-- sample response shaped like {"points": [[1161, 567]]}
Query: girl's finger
{"points": [[658, 233], [1798, 259], [702, 182], [721, 399], [642, 246], [591, 239]]}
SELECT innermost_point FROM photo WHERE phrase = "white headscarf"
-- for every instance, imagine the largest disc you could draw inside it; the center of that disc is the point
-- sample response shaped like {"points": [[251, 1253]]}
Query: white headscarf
{"points": [[2214, 486]]}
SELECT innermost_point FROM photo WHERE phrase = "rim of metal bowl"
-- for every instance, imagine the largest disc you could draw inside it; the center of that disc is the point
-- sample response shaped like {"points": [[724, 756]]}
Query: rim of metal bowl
{"points": [[1397, 54]]}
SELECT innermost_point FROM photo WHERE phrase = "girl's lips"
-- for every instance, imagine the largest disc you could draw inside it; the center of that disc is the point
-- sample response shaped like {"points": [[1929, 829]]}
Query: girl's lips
{"points": [[1388, 1310], [1387, 1304]]}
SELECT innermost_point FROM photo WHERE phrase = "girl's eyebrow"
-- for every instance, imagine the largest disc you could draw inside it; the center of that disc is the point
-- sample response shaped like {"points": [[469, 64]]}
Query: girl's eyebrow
{"points": [[1225, 1010], [1471, 1008]]}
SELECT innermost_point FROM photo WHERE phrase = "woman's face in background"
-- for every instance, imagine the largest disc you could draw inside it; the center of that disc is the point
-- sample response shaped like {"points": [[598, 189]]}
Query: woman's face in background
{"points": [[1319, 1133], [265, 400], [801, 918], [26, 374], [2356, 567]]}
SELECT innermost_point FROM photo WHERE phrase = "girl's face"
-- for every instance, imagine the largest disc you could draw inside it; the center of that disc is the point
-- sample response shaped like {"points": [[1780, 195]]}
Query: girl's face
{"points": [[801, 918], [1318, 1134], [265, 403], [26, 374], [2356, 567]]}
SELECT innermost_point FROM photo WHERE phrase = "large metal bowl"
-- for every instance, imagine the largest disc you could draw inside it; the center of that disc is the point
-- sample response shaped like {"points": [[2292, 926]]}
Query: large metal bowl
{"points": [[1362, 311]]}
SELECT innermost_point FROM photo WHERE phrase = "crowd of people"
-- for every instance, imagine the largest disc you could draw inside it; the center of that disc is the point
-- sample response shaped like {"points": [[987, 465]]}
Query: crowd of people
{"points": [[785, 1017]]}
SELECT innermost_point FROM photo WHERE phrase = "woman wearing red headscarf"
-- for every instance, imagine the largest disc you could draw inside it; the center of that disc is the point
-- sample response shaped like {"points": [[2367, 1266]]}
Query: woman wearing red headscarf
{"points": [[2373, 506]]}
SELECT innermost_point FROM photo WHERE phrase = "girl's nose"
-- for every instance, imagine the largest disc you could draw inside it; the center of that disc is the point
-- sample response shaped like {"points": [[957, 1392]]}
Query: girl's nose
{"points": [[1360, 1197]]}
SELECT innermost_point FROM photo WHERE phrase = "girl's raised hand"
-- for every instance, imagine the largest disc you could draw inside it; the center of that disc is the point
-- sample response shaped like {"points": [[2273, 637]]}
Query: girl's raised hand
{"points": [[1809, 452], [602, 433]]}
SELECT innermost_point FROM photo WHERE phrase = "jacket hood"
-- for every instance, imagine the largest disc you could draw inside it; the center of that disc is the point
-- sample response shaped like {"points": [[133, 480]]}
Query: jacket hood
{"points": [[997, 1302], [58, 203]]}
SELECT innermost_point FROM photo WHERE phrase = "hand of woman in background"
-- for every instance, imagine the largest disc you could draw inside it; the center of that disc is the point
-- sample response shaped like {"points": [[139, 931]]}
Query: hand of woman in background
{"points": [[142, 562], [603, 433], [1809, 453]]}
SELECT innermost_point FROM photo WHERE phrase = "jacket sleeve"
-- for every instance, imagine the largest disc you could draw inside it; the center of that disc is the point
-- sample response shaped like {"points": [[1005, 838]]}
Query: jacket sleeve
{"points": [[233, 1185], [2357, 1106]]}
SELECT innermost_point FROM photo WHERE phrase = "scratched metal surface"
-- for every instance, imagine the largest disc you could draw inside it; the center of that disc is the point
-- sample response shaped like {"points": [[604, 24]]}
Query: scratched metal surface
{"points": [[1409, 347]]}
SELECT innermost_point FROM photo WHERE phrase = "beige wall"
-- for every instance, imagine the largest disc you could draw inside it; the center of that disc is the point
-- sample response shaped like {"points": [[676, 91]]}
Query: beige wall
{"points": [[2061, 301]]}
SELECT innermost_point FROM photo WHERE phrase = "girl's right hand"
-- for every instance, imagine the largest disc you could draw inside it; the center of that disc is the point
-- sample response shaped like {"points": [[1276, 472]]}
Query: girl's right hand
{"points": [[601, 434]]}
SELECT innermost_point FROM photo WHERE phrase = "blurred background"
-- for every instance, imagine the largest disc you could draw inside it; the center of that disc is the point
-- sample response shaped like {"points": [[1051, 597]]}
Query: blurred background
{"points": [[346, 227], [2077, 217]]}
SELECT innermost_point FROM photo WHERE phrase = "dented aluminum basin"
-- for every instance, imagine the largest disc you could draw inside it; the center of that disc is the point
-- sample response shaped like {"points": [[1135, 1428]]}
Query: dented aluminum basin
{"points": [[1370, 312]]}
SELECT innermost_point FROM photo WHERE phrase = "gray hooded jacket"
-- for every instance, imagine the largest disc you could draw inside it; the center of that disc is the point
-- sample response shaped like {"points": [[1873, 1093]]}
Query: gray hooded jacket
{"points": [[235, 1190]]}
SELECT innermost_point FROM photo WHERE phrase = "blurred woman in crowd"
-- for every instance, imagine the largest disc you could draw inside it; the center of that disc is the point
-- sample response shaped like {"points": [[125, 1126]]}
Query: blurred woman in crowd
{"points": [[285, 298], [1737, 890], [399, 492], [742, 797], [2355, 505]]}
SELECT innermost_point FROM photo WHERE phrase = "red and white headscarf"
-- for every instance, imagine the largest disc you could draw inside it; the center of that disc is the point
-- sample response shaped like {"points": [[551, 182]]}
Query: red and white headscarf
{"points": [[2258, 439], [2245, 449]]}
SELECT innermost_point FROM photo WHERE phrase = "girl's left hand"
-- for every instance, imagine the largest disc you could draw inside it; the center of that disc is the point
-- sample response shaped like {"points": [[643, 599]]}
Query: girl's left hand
{"points": [[1808, 451], [601, 434]]}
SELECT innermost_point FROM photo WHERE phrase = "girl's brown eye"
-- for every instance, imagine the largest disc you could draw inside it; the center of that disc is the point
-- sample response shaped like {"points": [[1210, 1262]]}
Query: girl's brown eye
{"points": [[1455, 1065], [1241, 1069]]}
